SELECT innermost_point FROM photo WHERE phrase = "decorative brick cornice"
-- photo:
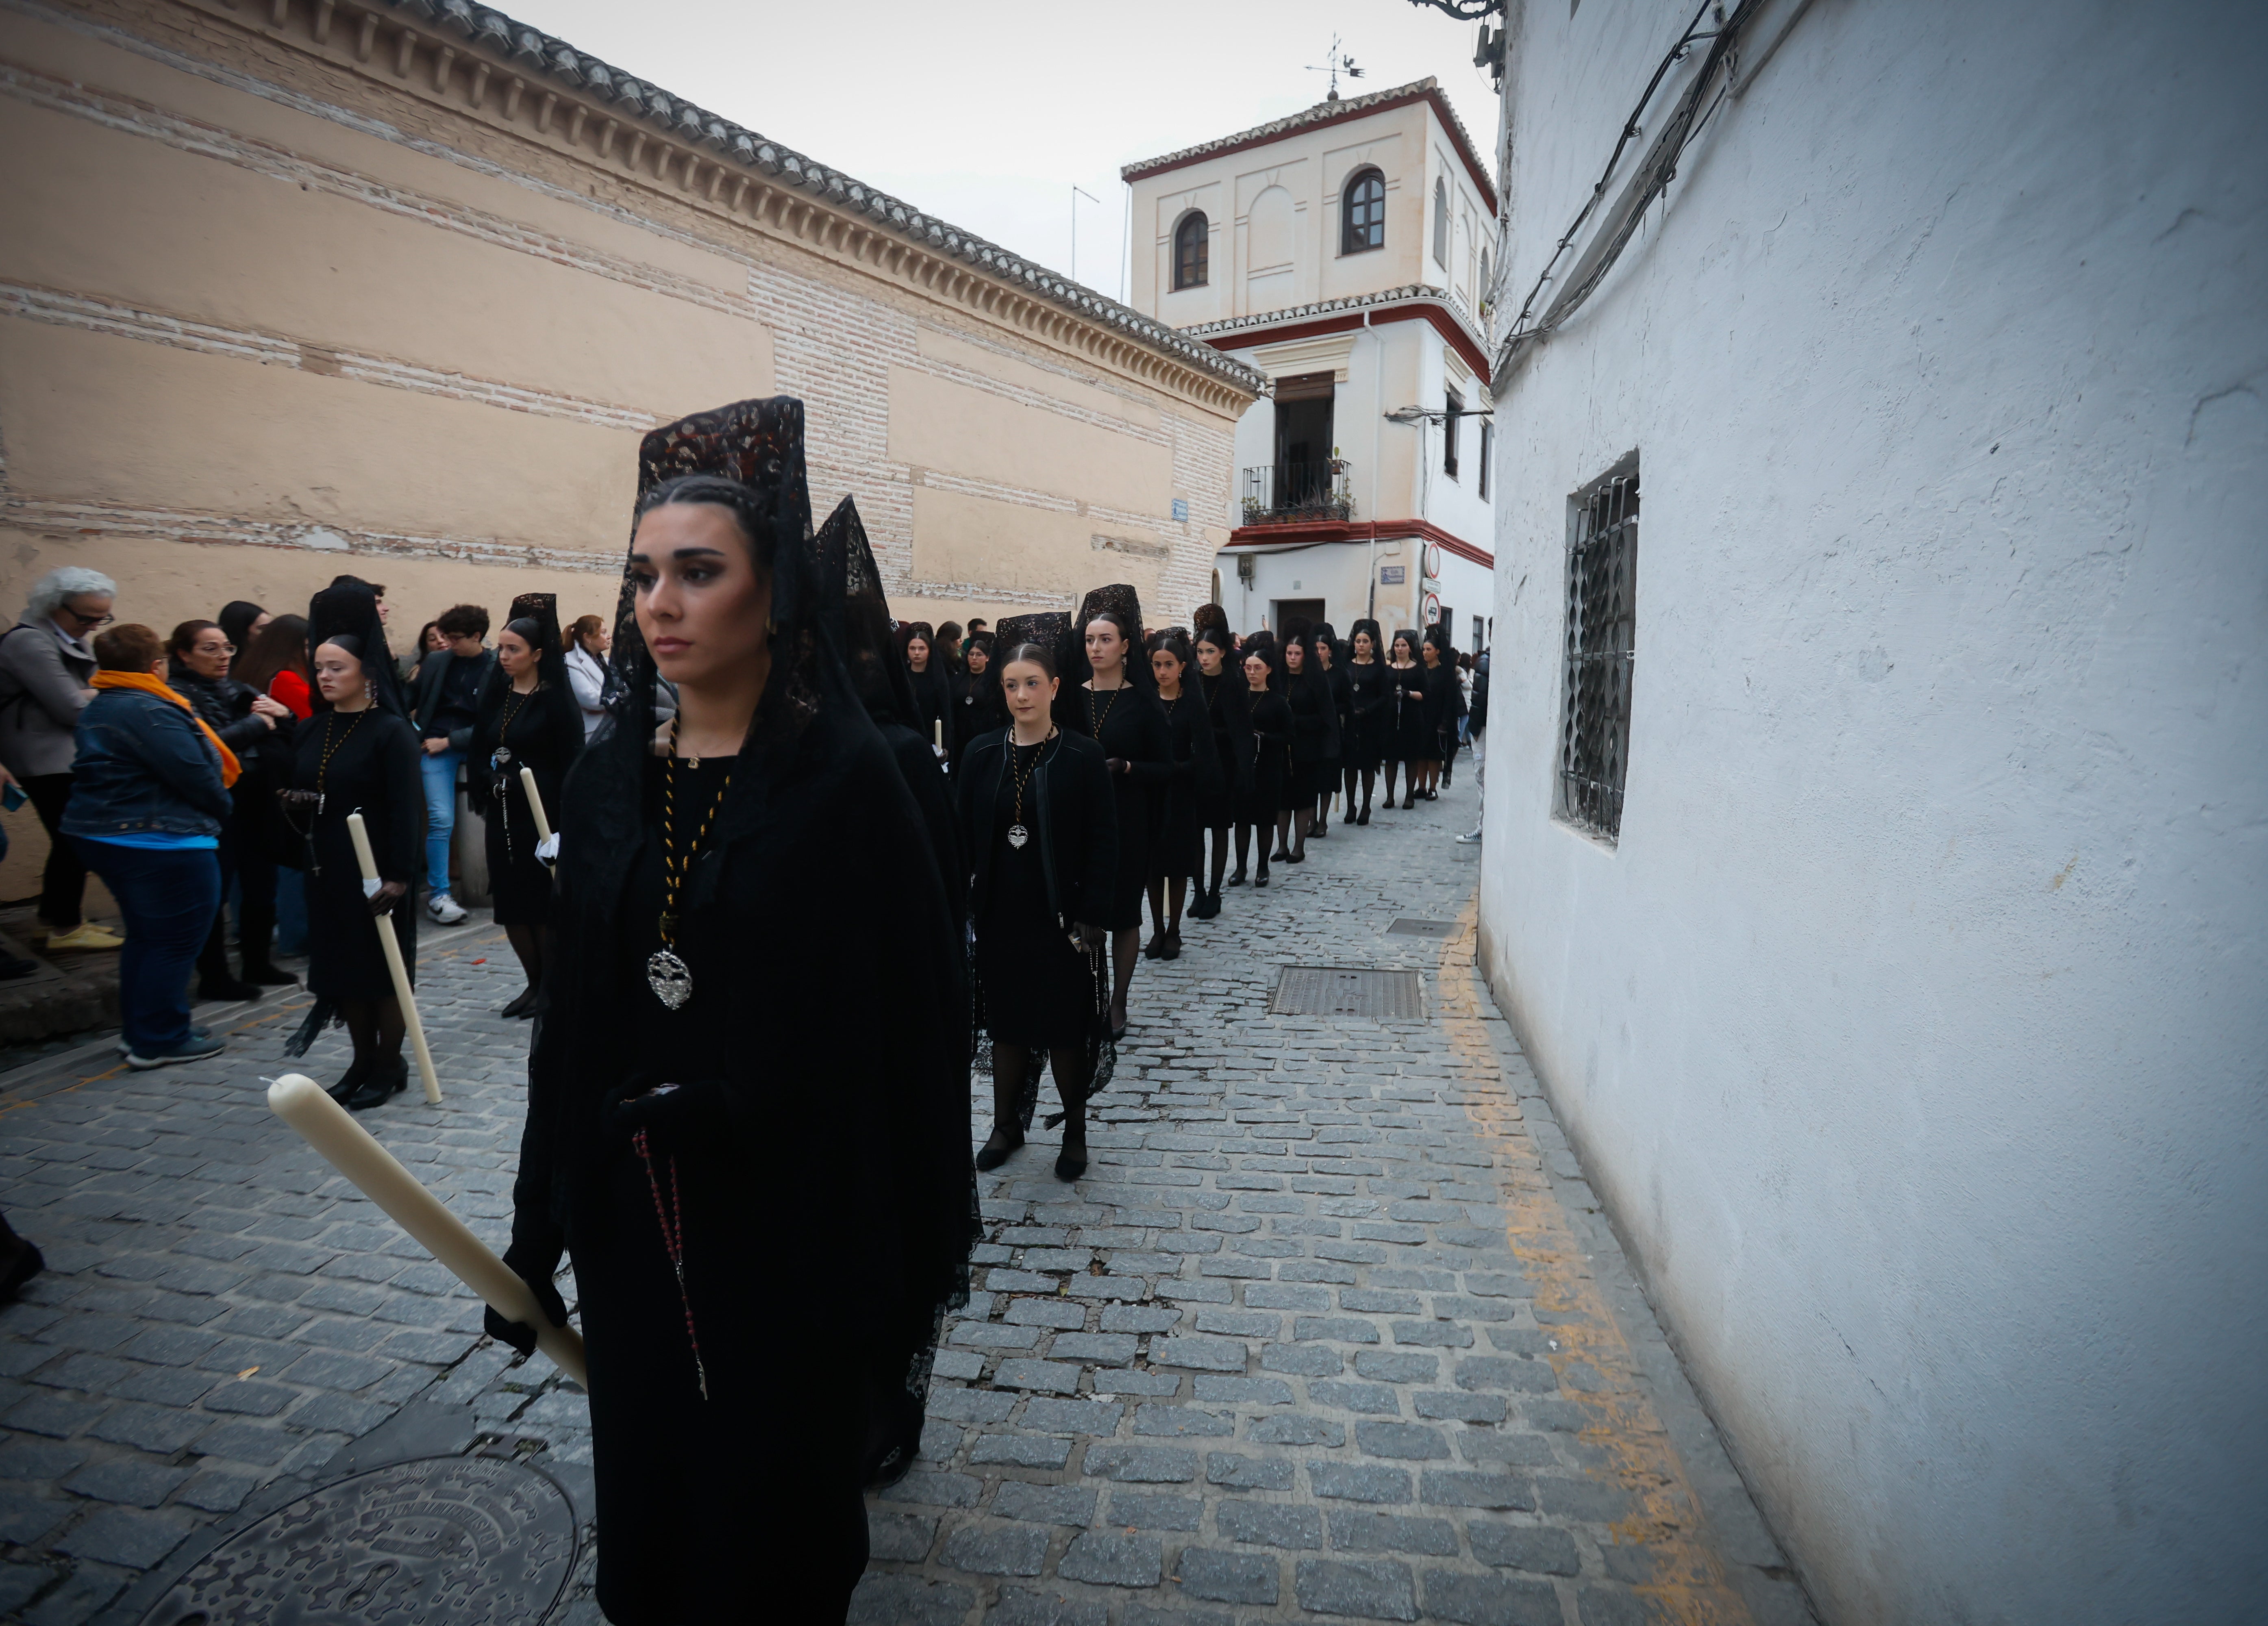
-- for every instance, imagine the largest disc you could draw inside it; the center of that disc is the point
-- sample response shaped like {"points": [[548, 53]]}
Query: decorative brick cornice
{"points": [[1428, 90], [1412, 302], [483, 64]]}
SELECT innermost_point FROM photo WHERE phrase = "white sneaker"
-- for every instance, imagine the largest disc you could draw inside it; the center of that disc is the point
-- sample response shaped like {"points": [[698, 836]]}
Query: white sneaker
{"points": [[445, 909], [1466, 840]]}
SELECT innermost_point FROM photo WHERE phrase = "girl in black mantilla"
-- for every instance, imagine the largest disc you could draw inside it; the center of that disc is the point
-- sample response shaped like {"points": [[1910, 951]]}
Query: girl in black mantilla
{"points": [[752, 1023], [1363, 746], [978, 707], [1178, 852], [1038, 814], [1409, 741], [1267, 750], [926, 670], [1330, 660], [1219, 683], [1112, 705], [357, 754], [1314, 744], [527, 717]]}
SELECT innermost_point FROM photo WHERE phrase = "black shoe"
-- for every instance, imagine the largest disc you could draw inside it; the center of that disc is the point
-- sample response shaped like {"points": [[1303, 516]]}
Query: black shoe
{"points": [[350, 1083], [1365, 818], [1069, 1167], [269, 977], [19, 1262], [1171, 948], [1300, 856], [227, 989], [998, 1148], [1321, 828], [525, 1005], [1279, 856], [892, 1457], [1261, 880], [1157, 941], [1237, 879], [1350, 815], [1410, 801], [388, 1079], [1206, 907]]}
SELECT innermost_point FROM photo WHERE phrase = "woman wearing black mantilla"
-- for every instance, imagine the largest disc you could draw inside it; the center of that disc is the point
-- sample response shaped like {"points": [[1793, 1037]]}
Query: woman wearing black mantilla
{"points": [[357, 754], [1106, 696], [527, 717], [1038, 815], [1363, 746], [1178, 852], [744, 1089], [1218, 681]]}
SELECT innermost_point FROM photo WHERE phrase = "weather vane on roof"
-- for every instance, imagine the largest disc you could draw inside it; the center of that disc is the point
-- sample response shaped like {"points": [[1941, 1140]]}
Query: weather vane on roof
{"points": [[1337, 63]]}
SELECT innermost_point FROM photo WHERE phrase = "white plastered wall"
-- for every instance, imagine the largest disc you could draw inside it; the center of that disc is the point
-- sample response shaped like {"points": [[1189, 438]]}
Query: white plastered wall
{"points": [[1914, 1032]]}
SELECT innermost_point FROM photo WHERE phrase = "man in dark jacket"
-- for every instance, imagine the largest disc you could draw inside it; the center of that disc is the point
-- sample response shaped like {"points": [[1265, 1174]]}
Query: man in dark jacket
{"points": [[445, 698], [1477, 727], [45, 668], [145, 815]]}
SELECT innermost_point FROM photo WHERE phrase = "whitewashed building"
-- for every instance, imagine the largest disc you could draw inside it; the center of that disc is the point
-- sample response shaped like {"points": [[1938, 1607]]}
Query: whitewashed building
{"points": [[1877, 768], [1343, 253]]}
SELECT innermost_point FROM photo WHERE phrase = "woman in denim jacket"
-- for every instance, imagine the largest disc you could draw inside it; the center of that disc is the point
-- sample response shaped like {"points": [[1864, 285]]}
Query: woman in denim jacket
{"points": [[149, 794]]}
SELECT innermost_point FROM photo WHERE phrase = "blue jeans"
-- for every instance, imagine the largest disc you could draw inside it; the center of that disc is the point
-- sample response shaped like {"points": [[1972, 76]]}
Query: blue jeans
{"points": [[291, 912], [169, 898], [440, 771]]}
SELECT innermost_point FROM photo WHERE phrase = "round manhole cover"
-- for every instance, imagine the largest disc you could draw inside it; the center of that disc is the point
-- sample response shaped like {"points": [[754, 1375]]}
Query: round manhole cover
{"points": [[455, 1539]]}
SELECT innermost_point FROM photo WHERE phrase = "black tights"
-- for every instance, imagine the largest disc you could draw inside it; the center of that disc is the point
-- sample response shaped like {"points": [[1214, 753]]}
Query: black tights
{"points": [[532, 943], [1014, 1076], [1369, 778], [1284, 831], [1218, 836], [1125, 949], [1244, 829], [376, 1027], [1168, 894]]}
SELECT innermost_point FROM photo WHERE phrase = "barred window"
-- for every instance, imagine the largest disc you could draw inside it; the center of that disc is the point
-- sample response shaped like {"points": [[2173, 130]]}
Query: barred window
{"points": [[1192, 251], [1602, 644]]}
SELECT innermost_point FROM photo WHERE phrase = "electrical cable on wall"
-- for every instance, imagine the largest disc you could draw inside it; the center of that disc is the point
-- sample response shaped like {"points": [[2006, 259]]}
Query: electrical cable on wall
{"points": [[1658, 169]]}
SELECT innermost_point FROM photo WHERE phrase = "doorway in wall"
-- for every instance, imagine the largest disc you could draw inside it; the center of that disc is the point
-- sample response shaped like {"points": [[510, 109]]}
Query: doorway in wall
{"points": [[1284, 612], [1303, 441]]}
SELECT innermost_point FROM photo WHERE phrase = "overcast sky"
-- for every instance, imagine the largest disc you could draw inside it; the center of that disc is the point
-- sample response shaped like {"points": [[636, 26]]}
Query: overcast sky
{"points": [[987, 113]]}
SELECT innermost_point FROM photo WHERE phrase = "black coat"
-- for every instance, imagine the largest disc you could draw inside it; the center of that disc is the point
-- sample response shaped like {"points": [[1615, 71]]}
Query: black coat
{"points": [[1229, 703], [817, 1147], [266, 755], [374, 770], [1371, 706], [1074, 812], [543, 732], [1413, 738], [978, 707], [1193, 784], [1132, 731]]}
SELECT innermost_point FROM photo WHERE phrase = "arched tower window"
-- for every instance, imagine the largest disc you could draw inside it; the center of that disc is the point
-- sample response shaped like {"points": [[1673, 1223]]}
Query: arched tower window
{"points": [[1363, 213], [1192, 251], [1441, 223]]}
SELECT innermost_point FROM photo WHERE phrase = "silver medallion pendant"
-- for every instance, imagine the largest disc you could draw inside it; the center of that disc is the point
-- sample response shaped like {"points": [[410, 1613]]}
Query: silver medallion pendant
{"points": [[500, 756], [1018, 835], [670, 978]]}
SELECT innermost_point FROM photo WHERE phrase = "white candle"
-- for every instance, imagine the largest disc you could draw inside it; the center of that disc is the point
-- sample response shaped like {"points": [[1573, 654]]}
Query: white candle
{"points": [[392, 948], [347, 1147], [534, 803], [939, 726]]}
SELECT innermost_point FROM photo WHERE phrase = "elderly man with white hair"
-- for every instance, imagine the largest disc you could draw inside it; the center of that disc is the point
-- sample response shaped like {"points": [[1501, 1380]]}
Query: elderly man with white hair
{"points": [[47, 672]]}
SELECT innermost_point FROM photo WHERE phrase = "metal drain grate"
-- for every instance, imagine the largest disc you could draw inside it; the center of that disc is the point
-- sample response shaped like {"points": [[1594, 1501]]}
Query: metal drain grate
{"points": [[1332, 990], [441, 1540], [1409, 927]]}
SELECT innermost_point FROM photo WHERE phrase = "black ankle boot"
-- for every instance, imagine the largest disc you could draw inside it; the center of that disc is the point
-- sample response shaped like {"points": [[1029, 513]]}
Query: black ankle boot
{"points": [[1071, 1162], [386, 1079], [350, 1082], [267, 976]]}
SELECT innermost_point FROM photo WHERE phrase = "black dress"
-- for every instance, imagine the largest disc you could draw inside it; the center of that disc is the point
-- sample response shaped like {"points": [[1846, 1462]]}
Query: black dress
{"points": [[978, 707], [1268, 748], [1370, 703], [372, 770], [1194, 782], [1411, 739], [1225, 698], [1342, 720], [1128, 724], [1441, 710], [1314, 733], [543, 730], [809, 1098], [932, 701], [1038, 989]]}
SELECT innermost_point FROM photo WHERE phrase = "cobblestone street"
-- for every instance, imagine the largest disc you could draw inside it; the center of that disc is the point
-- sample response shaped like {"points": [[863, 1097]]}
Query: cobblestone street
{"points": [[1331, 1329]]}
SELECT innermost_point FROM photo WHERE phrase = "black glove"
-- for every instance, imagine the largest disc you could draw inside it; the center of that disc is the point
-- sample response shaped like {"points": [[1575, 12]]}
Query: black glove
{"points": [[682, 1113], [528, 1264]]}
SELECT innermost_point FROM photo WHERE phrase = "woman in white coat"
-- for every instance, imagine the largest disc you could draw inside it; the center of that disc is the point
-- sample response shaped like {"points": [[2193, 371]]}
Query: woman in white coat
{"points": [[586, 669]]}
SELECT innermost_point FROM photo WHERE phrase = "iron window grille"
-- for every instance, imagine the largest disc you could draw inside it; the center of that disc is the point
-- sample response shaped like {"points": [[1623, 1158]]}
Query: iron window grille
{"points": [[1365, 214], [1449, 420], [1602, 644], [1192, 251]]}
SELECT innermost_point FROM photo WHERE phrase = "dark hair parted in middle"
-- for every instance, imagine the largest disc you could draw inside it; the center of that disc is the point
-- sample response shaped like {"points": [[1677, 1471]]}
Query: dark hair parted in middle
{"points": [[750, 508], [1039, 654]]}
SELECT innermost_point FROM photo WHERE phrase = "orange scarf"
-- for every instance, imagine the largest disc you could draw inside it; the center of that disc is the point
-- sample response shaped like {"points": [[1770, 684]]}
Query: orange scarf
{"points": [[149, 683]]}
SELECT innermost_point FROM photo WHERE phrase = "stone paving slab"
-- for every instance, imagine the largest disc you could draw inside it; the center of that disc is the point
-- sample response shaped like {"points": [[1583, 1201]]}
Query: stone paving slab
{"points": [[1332, 1329]]}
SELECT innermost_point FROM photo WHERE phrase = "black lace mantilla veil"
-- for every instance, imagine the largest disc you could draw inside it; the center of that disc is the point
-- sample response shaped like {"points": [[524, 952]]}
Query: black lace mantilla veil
{"points": [[850, 587], [542, 609]]}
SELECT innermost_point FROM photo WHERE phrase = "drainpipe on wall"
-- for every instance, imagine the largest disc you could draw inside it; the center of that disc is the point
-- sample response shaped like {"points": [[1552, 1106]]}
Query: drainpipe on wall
{"points": [[1377, 415]]}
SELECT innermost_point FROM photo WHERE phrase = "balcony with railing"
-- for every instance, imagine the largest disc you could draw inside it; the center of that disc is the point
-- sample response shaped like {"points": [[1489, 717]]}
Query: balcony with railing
{"points": [[1298, 493]]}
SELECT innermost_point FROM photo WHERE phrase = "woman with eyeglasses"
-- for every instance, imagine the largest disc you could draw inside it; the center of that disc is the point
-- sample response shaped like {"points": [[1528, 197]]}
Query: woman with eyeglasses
{"points": [[46, 679]]}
